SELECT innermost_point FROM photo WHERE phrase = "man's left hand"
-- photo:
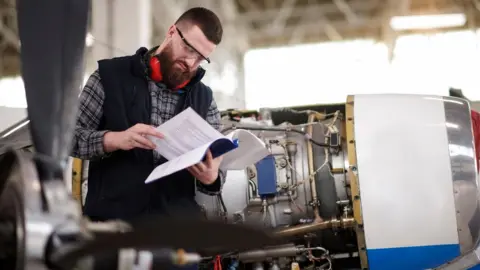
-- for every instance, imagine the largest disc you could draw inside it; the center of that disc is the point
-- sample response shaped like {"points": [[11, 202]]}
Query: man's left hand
{"points": [[206, 171]]}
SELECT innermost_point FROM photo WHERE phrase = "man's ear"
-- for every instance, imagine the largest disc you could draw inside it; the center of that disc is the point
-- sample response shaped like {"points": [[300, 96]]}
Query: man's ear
{"points": [[170, 32]]}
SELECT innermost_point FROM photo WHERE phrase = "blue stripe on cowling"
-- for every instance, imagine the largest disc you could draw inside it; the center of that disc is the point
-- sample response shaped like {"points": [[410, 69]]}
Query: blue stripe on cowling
{"points": [[411, 258]]}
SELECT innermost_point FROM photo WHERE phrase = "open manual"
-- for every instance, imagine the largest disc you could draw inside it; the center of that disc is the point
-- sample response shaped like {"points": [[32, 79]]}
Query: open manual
{"points": [[188, 137]]}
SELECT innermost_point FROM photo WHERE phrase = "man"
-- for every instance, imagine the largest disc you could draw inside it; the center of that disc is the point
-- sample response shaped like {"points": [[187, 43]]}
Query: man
{"points": [[124, 100]]}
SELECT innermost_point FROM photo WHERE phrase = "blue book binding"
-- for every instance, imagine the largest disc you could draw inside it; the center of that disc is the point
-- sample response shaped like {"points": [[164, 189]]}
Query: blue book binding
{"points": [[222, 146]]}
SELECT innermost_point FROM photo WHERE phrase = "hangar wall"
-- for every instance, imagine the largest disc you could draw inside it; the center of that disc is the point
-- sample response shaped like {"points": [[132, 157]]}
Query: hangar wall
{"points": [[119, 27]]}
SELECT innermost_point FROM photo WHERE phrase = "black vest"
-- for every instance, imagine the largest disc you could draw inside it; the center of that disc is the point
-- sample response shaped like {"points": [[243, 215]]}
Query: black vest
{"points": [[116, 188]]}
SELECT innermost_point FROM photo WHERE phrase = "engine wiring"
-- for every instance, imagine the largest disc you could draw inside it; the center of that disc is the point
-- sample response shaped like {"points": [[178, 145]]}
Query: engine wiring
{"points": [[217, 265], [284, 129], [216, 262], [330, 129], [325, 256], [222, 203], [319, 115]]}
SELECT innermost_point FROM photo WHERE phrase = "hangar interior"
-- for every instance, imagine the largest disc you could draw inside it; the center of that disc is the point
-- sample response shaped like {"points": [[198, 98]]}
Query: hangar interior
{"points": [[289, 72], [258, 31]]}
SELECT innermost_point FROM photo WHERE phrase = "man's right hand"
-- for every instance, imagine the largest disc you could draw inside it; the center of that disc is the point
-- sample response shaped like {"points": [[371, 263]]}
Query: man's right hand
{"points": [[134, 137]]}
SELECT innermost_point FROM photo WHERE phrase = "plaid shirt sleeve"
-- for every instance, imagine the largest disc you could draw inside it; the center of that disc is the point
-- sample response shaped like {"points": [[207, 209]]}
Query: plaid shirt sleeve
{"points": [[87, 139], [214, 119], [213, 116]]}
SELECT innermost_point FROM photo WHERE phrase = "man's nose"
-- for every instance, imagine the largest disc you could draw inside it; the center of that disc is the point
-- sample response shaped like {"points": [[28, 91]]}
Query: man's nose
{"points": [[191, 62]]}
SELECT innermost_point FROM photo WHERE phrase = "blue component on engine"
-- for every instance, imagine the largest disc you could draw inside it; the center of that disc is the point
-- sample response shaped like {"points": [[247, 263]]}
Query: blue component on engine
{"points": [[233, 265], [266, 176]]}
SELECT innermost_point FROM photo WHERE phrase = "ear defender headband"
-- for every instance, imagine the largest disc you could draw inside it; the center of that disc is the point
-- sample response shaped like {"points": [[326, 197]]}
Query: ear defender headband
{"points": [[156, 72]]}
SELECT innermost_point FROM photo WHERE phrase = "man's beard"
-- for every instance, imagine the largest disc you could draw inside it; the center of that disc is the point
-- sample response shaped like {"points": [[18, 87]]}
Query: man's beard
{"points": [[173, 75]]}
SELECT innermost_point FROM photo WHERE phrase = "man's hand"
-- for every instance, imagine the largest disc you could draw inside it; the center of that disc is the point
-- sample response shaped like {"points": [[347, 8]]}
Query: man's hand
{"points": [[206, 171], [134, 137]]}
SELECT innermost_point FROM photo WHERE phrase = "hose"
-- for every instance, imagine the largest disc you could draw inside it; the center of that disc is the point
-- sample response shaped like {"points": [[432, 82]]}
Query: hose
{"points": [[279, 129], [224, 208]]}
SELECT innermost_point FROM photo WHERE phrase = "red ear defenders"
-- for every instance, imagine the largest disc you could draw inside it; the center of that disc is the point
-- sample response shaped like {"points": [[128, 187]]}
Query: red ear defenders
{"points": [[156, 72]]}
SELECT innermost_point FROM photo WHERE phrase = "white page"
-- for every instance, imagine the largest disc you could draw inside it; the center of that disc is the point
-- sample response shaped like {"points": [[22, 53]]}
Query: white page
{"points": [[179, 163], [250, 150], [183, 133]]}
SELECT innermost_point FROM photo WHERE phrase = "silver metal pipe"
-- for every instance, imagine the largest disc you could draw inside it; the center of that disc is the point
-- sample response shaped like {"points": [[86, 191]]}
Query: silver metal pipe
{"points": [[291, 152], [311, 170], [288, 250], [272, 215]]}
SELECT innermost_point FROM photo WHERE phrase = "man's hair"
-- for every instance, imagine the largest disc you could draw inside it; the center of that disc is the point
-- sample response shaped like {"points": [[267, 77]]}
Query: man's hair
{"points": [[206, 20]]}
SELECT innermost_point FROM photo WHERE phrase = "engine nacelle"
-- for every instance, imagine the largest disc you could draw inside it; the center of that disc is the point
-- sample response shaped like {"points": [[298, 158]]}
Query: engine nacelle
{"points": [[385, 181]]}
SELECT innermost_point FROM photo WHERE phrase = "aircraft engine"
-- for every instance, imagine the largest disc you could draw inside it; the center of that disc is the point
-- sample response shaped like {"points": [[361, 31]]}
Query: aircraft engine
{"points": [[380, 182]]}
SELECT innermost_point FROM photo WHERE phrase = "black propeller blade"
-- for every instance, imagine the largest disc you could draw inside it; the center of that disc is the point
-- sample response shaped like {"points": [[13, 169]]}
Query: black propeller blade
{"points": [[52, 35]]}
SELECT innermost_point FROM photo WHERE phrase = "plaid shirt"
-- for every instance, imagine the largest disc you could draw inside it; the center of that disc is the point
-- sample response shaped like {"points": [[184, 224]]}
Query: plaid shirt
{"points": [[88, 140]]}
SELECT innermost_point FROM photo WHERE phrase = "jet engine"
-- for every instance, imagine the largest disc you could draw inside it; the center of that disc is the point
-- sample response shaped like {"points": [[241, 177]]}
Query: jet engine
{"points": [[380, 182]]}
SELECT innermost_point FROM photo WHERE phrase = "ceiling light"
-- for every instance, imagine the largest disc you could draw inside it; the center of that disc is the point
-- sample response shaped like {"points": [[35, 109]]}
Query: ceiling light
{"points": [[89, 40], [433, 21]]}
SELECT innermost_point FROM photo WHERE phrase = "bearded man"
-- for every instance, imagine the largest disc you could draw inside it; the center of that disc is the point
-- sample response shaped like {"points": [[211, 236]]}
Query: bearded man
{"points": [[122, 102]]}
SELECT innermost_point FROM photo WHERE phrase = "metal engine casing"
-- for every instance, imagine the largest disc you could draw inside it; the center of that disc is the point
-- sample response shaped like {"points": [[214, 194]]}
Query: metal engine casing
{"points": [[293, 206], [243, 202], [406, 171]]}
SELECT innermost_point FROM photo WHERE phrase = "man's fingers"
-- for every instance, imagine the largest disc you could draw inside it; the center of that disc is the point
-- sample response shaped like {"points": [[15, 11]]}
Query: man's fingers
{"points": [[136, 144], [200, 167], [144, 141], [193, 170], [140, 127], [209, 159], [219, 159], [153, 132], [148, 130]]}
